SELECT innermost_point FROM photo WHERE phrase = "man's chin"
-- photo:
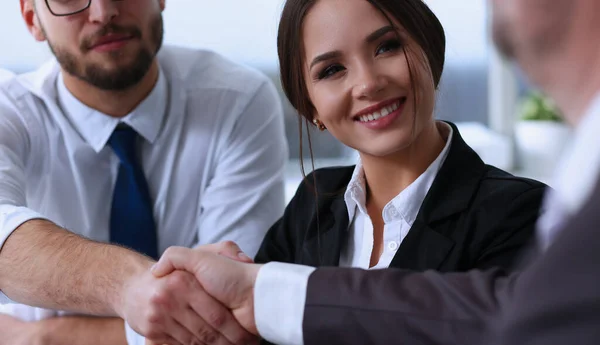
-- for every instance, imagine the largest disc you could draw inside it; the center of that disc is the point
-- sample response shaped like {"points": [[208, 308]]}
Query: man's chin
{"points": [[113, 79]]}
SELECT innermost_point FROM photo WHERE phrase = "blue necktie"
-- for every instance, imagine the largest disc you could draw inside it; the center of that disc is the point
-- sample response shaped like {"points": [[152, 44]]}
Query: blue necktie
{"points": [[131, 219]]}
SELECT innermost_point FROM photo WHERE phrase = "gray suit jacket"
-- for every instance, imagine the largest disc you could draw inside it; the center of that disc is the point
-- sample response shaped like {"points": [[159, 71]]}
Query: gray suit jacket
{"points": [[555, 300]]}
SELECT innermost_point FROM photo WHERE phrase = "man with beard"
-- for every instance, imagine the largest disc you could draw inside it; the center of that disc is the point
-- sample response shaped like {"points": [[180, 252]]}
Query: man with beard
{"points": [[121, 141]]}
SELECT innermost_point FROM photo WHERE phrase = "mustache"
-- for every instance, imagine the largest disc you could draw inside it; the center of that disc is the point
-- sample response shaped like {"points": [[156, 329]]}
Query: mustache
{"points": [[90, 41]]}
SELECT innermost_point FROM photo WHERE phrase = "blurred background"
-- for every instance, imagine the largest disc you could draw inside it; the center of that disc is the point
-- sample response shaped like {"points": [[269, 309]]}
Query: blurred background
{"points": [[496, 112]]}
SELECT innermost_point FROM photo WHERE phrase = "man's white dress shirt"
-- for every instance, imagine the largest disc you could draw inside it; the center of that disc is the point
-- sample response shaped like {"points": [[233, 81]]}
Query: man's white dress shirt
{"points": [[212, 146], [281, 288], [574, 180]]}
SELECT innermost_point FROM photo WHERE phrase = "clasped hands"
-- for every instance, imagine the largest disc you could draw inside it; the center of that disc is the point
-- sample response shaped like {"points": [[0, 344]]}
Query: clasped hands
{"points": [[194, 296]]}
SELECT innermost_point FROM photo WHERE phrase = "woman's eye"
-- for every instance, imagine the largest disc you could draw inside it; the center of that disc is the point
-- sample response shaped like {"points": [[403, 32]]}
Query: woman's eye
{"points": [[329, 71], [388, 46]]}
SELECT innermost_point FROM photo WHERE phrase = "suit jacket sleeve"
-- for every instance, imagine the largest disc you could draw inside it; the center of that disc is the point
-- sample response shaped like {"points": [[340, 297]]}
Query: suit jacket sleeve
{"points": [[351, 306]]}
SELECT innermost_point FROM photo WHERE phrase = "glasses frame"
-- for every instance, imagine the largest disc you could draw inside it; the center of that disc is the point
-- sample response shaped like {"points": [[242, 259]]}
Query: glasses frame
{"points": [[67, 14]]}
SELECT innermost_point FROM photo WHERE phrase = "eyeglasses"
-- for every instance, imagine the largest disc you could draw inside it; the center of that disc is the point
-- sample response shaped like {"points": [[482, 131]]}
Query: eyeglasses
{"points": [[61, 8]]}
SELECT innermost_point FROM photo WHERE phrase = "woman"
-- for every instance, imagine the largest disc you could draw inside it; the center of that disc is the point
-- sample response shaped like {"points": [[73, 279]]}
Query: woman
{"points": [[420, 197]]}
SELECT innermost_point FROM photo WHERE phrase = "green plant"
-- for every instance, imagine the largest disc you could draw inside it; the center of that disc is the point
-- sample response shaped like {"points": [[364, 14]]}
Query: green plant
{"points": [[537, 107]]}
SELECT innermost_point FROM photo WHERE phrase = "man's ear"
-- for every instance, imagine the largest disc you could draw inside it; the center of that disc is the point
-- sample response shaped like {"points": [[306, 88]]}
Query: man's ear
{"points": [[162, 4], [31, 20]]}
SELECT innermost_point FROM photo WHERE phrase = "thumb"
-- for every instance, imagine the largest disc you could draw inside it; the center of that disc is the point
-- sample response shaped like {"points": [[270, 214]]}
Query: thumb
{"points": [[229, 249], [174, 258]]}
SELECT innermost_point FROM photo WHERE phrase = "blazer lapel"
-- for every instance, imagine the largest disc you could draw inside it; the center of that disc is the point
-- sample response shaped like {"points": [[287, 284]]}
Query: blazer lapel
{"points": [[422, 249], [456, 182], [426, 246], [323, 245]]}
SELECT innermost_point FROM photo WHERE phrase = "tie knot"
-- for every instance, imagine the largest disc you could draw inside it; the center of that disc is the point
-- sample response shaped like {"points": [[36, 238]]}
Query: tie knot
{"points": [[122, 141]]}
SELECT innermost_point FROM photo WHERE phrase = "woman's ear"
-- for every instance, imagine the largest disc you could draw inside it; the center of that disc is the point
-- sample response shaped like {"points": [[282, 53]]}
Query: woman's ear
{"points": [[31, 20]]}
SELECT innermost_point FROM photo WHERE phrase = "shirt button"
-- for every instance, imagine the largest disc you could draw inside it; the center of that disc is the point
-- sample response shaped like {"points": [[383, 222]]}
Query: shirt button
{"points": [[392, 212], [393, 245]]}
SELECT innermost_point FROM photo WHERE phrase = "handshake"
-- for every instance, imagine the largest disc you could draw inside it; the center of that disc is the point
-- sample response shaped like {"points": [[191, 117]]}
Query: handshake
{"points": [[194, 296]]}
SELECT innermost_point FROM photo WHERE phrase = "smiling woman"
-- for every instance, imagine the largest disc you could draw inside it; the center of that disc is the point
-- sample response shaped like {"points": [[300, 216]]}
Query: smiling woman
{"points": [[419, 197]]}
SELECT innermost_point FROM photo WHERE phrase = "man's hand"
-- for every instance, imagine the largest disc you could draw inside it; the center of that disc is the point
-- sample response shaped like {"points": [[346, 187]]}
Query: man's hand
{"points": [[230, 282], [16, 332], [175, 309]]}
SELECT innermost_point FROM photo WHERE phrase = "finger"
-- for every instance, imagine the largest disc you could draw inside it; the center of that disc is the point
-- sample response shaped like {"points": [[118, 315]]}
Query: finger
{"points": [[178, 334], [195, 322], [200, 328], [219, 318], [175, 258], [231, 250]]}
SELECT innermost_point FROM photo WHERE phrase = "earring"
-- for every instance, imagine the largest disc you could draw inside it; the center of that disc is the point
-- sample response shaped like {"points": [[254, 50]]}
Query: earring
{"points": [[319, 125]]}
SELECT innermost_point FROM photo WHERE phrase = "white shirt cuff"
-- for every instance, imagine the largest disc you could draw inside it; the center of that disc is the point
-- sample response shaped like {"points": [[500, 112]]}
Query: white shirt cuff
{"points": [[279, 297], [133, 338], [11, 217]]}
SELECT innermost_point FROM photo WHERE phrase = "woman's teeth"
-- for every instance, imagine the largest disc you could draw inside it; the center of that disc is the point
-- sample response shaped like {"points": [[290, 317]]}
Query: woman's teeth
{"points": [[385, 111]]}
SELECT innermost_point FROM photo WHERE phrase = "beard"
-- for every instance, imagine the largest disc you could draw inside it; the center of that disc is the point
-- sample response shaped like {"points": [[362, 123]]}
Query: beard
{"points": [[122, 77]]}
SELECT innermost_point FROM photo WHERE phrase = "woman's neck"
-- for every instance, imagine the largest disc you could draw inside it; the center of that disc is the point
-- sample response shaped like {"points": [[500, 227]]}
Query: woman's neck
{"points": [[387, 176]]}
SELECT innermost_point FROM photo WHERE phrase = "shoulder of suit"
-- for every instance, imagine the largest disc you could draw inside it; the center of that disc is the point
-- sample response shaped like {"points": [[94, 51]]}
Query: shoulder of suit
{"points": [[200, 69], [497, 179]]}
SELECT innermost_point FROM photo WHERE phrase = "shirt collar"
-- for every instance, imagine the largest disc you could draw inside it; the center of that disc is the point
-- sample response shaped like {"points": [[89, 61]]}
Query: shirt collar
{"points": [[356, 194], [408, 202], [96, 127], [579, 167]]}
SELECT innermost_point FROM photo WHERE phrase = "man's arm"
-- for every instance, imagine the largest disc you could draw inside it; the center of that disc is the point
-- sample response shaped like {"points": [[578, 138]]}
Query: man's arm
{"points": [[44, 265], [62, 330], [351, 306]]}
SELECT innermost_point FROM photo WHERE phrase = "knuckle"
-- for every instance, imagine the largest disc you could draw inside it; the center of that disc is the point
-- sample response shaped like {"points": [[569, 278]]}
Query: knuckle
{"points": [[176, 281], [208, 336], [170, 251], [153, 317], [229, 246], [154, 335], [160, 300], [217, 319]]}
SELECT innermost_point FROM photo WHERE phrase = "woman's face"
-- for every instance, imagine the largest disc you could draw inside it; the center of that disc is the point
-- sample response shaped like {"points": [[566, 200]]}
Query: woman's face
{"points": [[358, 77]]}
